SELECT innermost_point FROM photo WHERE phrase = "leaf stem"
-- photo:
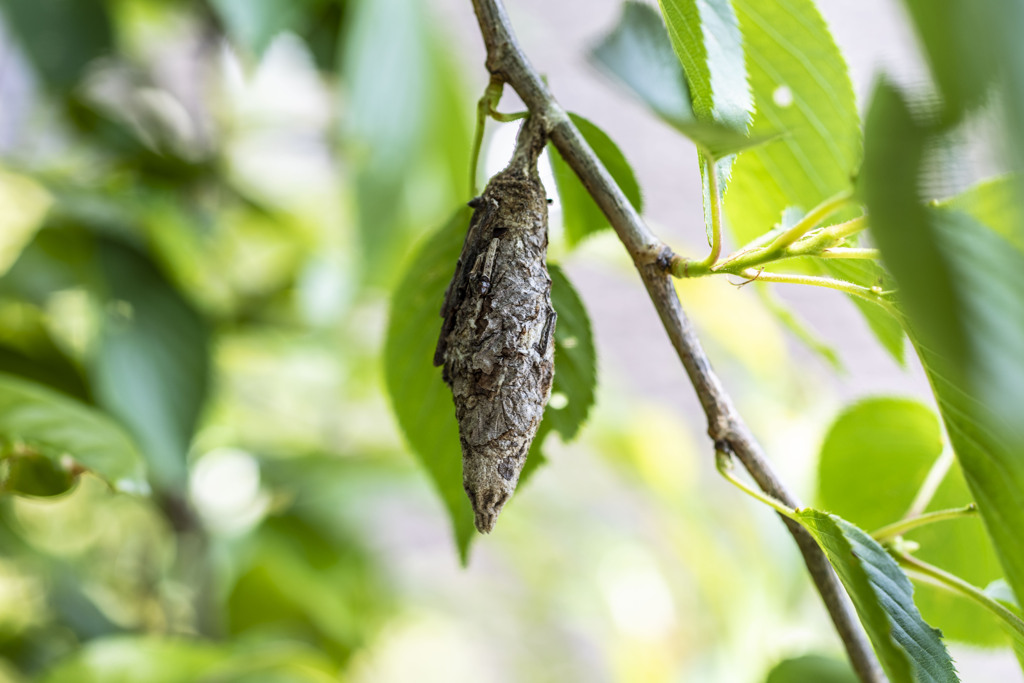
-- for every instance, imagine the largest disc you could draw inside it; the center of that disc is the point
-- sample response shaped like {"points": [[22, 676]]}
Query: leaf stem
{"points": [[723, 462], [931, 483], [904, 525], [955, 584], [811, 220], [849, 252], [715, 205], [486, 107]]}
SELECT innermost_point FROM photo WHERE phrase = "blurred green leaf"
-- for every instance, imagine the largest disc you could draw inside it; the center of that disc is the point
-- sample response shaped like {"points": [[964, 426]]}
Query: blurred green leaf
{"points": [[398, 124], [994, 203], [900, 223], [296, 582], [908, 648], [962, 66], [61, 37], [874, 460], [28, 350], [151, 366], [1001, 591], [419, 397], [253, 24], [129, 659], [802, 92], [964, 299], [54, 425], [812, 669], [798, 327], [875, 457], [580, 214], [639, 53], [974, 49], [33, 474]]}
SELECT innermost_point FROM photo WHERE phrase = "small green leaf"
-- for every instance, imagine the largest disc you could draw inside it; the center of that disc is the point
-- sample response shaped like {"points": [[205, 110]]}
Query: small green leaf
{"points": [[580, 214], [419, 397], [639, 53], [908, 649], [812, 669], [51, 424], [874, 458]]}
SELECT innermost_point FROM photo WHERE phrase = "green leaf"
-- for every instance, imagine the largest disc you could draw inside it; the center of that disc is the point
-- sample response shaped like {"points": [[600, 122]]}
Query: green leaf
{"points": [[901, 224], [812, 668], [867, 273], [575, 372], [295, 578], [909, 650], [253, 24], [963, 66], [61, 37], [575, 359], [404, 124], [964, 300], [151, 366], [53, 425], [421, 401], [960, 547], [580, 214], [639, 53], [125, 659], [993, 203], [874, 459], [707, 40], [802, 91]]}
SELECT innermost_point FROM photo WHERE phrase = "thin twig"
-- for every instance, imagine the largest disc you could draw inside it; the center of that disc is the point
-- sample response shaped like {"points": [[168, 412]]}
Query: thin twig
{"points": [[653, 258]]}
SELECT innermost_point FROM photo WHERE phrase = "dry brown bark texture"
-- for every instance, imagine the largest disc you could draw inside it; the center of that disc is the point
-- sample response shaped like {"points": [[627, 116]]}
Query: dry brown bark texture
{"points": [[497, 340]]}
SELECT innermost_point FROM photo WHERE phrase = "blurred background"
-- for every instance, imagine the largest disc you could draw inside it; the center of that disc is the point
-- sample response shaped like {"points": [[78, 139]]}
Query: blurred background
{"points": [[251, 177]]}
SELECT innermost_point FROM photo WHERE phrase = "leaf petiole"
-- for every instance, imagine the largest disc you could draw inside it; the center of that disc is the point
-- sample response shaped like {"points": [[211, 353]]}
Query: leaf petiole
{"points": [[723, 463], [904, 525], [943, 579]]}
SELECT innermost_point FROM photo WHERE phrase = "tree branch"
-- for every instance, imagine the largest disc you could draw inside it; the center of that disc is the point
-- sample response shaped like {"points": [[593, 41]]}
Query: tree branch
{"points": [[652, 257]]}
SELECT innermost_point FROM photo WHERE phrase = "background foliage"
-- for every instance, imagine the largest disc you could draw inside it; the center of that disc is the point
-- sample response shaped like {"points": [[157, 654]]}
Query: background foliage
{"points": [[225, 228]]}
